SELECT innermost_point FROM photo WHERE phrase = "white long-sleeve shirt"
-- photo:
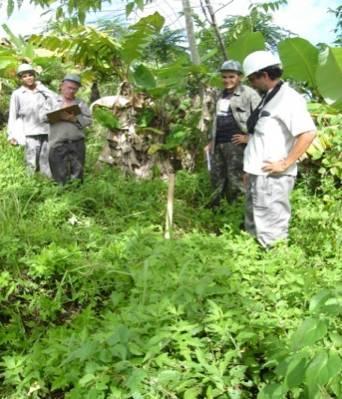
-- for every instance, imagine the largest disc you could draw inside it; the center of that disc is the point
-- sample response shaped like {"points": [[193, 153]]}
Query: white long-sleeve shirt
{"points": [[23, 117]]}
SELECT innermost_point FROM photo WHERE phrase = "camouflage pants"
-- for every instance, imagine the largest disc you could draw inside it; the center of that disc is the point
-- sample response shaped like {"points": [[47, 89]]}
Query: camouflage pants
{"points": [[37, 153], [226, 172]]}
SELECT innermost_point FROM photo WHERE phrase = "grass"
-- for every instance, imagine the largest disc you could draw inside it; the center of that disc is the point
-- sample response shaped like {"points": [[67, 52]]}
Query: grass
{"points": [[95, 303]]}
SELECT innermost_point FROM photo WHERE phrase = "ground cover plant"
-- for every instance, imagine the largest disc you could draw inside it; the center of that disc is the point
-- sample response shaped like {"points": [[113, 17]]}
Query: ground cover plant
{"points": [[95, 303]]}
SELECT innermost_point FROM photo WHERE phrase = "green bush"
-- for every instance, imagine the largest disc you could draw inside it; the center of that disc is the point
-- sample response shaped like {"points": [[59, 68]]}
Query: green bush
{"points": [[95, 303]]}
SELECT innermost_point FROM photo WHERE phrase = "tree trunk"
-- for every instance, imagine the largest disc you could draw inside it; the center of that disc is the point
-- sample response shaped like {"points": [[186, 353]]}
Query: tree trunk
{"points": [[94, 93], [195, 58], [213, 24]]}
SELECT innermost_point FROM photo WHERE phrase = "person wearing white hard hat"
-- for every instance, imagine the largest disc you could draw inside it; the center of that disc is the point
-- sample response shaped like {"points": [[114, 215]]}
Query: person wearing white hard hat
{"points": [[24, 126], [281, 129], [228, 135], [67, 136]]}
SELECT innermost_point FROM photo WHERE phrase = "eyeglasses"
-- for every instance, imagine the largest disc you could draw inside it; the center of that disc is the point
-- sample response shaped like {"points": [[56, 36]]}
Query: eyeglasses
{"points": [[254, 76]]}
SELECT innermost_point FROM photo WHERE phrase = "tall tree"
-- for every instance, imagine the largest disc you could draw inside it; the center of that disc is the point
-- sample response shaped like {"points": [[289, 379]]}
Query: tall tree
{"points": [[338, 28], [195, 58], [259, 19], [211, 18]]}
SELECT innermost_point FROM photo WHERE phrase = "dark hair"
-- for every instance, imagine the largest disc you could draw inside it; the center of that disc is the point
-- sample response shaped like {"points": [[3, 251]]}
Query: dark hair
{"points": [[274, 72]]}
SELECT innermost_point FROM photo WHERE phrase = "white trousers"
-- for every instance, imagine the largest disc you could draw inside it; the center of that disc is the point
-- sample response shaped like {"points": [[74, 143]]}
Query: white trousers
{"points": [[37, 154], [268, 208]]}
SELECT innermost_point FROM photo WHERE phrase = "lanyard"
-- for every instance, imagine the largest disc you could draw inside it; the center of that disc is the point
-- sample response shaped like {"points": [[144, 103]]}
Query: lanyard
{"points": [[254, 117]]}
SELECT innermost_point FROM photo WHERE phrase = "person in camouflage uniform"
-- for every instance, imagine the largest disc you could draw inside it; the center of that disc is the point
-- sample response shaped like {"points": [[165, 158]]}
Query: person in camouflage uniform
{"points": [[228, 137]]}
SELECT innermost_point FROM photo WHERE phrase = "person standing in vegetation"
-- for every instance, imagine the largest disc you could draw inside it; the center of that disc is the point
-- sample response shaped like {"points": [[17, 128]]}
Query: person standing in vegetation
{"points": [[228, 134], [24, 126], [281, 129], [67, 138]]}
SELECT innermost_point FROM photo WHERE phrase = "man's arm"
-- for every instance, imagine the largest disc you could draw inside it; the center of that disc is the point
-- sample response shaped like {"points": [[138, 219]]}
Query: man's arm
{"points": [[84, 119], [301, 144], [240, 138], [253, 101]]}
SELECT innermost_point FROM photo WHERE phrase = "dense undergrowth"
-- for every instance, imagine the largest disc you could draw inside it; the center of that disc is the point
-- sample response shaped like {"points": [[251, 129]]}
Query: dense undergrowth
{"points": [[95, 303]]}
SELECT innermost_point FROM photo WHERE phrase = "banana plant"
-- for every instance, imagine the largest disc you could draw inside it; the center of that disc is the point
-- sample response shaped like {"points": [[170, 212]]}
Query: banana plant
{"points": [[322, 70], [103, 55], [19, 50]]}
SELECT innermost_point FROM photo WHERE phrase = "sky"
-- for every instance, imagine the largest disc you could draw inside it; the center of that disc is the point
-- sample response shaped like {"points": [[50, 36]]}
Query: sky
{"points": [[307, 18]]}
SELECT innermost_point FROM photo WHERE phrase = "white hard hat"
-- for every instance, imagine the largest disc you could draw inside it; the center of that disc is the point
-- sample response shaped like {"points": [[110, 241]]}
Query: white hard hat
{"points": [[25, 68], [258, 60]]}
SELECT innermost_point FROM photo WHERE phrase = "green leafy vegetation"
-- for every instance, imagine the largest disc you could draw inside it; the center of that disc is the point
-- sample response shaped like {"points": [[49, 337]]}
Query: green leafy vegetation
{"points": [[95, 303]]}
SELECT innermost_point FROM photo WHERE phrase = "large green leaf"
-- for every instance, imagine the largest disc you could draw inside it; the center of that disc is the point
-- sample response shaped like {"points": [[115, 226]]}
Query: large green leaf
{"points": [[143, 77], [140, 36], [273, 391], [329, 76], [10, 7], [327, 301], [296, 370], [173, 74], [310, 331], [334, 364], [316, 373], [6, 62], [300, 59], [7, 58], [322, 369], [106, 118], [246, 44], [192, 393]]}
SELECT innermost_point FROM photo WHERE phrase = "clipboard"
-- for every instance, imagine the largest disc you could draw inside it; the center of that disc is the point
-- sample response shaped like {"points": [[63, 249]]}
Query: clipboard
{"points": [[55, 116]]}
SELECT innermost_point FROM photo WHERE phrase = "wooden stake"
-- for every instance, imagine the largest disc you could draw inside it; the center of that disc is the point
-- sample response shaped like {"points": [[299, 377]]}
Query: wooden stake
{"points": [[169, 206]]}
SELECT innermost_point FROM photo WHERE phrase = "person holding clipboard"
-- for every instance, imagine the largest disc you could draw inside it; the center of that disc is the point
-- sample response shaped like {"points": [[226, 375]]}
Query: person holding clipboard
{"points": [[67, 116]]}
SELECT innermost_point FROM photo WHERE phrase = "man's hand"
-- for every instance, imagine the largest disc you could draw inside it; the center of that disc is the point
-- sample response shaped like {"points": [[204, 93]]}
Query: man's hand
{"points": [[13, 141], [240, 138], [67, 116], [275, 167], [207, 148], [301, 144]]}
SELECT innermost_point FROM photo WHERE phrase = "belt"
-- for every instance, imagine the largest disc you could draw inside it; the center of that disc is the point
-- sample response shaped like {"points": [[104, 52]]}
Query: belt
{"points": [[69, 141]]}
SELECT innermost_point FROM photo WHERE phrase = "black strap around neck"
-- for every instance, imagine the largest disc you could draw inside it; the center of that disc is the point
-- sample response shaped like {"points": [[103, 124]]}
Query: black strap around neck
{"points": [[253, 119]]}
